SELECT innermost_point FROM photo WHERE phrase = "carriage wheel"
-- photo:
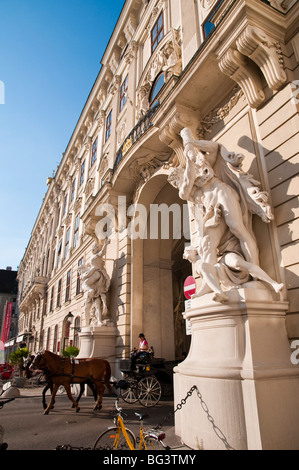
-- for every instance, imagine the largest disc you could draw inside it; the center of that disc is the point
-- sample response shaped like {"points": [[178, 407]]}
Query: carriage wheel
{"points": [[149, 391], [130, 394]]}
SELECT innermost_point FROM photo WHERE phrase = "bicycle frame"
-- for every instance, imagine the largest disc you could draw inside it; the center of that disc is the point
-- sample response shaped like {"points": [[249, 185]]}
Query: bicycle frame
{"points": [[121, 429], [118, 433]]}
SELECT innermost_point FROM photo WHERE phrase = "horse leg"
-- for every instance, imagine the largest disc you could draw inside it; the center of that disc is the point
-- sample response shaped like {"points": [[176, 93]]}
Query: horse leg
{"points": [[69, 394], [82, 384], [55, 388], [100, 391], [47, 387], [94, 391]]}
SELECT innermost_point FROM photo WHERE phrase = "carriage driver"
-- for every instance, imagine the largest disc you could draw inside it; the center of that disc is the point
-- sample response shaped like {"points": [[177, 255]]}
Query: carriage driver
{"points": [[142, 350]]}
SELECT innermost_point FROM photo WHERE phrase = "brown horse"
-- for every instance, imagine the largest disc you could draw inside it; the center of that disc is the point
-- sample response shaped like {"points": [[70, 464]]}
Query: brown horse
{"points": [[64, 371], [45, 378]]}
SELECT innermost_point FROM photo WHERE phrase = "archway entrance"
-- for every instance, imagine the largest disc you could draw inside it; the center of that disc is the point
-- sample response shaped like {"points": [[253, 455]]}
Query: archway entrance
{"points": [[159, 271]]}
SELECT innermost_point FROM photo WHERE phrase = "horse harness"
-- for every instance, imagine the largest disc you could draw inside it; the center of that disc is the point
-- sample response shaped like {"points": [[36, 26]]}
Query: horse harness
{"points": [[71, 375]]}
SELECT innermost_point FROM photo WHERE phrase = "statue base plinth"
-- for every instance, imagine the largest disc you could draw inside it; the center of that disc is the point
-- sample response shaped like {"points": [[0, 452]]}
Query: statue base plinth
{"points": [[240, 361], [98, 341]]}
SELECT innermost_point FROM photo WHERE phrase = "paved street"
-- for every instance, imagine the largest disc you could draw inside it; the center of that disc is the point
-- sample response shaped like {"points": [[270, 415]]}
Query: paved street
{"points": [[27, 428]]}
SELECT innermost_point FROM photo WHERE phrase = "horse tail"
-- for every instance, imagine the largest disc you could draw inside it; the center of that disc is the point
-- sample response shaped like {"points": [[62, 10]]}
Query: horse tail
{"points": [[108, 375]]}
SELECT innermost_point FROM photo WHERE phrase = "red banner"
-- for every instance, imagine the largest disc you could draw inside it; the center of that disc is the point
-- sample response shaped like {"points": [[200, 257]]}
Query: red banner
{"points": [[7, 323]]}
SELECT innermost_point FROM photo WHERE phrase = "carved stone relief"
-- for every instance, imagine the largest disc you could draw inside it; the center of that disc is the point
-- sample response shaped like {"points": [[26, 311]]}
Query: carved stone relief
{"points": [[144, 168], [223, 198]]}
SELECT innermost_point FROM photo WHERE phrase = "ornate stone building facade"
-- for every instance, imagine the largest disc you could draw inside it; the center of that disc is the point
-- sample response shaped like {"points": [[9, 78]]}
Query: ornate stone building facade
{"points": [[226, 70]]}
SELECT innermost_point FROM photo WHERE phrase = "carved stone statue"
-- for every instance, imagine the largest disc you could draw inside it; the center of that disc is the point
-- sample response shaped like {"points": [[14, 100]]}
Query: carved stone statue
{"points": [[96, 282], [224, 199]]}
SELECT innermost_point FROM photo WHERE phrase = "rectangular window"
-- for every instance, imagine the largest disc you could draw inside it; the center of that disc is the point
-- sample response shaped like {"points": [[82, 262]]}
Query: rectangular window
{"points": [[51, 226], [123, 93], [68, 286], [76, 231], [65, 204], [58, 300], [51, 300], [208, 25], [108, 126], [157, 32], [55, 342], [59, 253], [48, 339], [94, 151], [67, 243], [82, 172], [78, 285], [73, 189]]}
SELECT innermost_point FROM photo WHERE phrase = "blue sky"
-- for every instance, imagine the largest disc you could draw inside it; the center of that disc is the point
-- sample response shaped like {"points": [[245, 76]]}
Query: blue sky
{"points": [[50, 53]]}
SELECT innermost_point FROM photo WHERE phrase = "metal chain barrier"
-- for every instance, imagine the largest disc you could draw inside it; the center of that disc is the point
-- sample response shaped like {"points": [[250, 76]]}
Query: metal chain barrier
{"points": [[179, 406], [205, 408]]}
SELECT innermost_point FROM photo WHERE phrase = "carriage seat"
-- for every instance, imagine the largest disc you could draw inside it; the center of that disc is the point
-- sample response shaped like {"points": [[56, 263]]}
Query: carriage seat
{"points": [[144, 358]]}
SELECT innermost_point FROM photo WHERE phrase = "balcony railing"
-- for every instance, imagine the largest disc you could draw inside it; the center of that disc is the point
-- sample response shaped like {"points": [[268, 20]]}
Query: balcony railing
{"points": [[141, 127]]}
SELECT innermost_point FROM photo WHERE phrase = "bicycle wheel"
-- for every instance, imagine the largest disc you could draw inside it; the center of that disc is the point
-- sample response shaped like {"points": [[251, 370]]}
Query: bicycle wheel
{"points": [[130, 394], [106, 441], [149, 391], [153, 443]]}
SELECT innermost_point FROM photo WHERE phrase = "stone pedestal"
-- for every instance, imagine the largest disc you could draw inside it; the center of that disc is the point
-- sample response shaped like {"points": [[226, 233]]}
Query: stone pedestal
{"points": [[239, 360], [98, 341]]}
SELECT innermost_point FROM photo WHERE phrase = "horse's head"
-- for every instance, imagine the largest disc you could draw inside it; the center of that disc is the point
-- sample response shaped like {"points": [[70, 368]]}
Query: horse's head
{"points": [[39, 362], [27, 366]]}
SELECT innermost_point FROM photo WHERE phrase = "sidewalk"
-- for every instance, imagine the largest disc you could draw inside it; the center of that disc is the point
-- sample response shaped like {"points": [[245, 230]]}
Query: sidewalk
{"points": [[162, 413]]}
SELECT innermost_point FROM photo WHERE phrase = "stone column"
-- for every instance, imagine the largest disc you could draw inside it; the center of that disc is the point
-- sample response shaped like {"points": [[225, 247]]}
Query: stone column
{"points": [[240, 362]]}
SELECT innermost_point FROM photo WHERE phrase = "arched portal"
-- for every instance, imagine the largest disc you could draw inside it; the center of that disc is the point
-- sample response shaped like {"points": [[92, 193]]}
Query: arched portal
{"points": [[158, 270]]}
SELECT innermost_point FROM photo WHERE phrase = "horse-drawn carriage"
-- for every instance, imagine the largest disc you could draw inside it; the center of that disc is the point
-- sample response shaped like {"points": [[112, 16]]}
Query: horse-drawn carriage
{"points": [[152, 379]]}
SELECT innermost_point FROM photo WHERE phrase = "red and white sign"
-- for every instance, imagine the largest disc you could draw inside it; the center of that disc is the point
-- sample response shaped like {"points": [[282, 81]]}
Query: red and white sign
{"points": [[189, 287]]}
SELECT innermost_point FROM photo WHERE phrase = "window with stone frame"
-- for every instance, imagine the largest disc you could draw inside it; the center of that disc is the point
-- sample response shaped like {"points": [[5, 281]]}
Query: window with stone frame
{"points": [[65, 204], [73, 189], [76, 231], [78, 284], [157, 32], [67, 243], [58, 300], [157, 86], [94, 151], [59, 253], [76, 331], [108, 126], [51, 300], [82, 172], [55, 338], [123, 93], [48, 339], [208, 25], [68, 286]]}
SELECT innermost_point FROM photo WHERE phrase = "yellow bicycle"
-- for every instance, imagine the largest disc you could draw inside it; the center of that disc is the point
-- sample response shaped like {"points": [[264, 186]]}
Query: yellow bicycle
{"points": [[119, 437]]}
